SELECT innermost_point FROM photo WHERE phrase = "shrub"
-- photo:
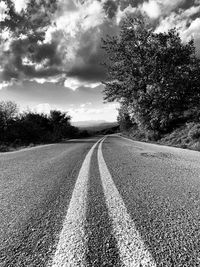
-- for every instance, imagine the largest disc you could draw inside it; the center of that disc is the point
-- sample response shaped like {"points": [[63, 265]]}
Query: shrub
{"points": [[194, 132], [196, 146], [4, 148], [153, 135]]}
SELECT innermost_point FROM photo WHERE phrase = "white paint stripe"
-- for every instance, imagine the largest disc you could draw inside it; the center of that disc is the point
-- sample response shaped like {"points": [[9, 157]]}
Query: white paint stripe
{"points": [[131, 247], [71, 247]]}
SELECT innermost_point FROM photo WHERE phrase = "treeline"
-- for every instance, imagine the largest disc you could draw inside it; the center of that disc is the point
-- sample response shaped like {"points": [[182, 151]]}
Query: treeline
{"points": [[34, 128], [155, 77]]}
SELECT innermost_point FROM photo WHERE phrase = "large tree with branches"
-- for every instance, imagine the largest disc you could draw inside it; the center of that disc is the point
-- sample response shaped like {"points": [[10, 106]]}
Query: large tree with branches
{"points": [[156, 74]]}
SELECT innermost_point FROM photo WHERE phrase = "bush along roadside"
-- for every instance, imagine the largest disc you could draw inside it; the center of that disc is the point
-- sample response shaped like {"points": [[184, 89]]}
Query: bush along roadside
{"points": [[186, 136], [29, 128], [155, 77]]}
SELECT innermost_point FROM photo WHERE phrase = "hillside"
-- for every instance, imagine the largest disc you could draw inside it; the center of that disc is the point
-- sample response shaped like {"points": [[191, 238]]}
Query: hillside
{"points": [[95, 126], [184, 136]]}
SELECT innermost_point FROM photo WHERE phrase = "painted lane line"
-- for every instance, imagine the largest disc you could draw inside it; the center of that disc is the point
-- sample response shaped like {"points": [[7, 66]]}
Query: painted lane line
{"points": [[131, 247], [71, 248]]}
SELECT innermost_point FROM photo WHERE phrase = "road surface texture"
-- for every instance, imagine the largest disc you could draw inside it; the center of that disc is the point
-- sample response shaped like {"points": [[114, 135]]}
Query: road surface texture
{"points": [[106, 201]]}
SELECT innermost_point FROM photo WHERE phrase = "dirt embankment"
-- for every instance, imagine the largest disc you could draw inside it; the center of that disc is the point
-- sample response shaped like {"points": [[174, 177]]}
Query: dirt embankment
{"points": [[186, 136]]}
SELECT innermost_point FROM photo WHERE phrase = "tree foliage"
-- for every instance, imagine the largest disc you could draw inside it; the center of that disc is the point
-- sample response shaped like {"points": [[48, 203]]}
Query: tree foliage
{"points": [[124, 118], [156, 74], [31, 127], [8, 112]]}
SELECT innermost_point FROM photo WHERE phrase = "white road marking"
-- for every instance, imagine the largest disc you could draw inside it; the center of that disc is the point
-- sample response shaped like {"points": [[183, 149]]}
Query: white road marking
{"points": [[131, 247], [71, 248]]}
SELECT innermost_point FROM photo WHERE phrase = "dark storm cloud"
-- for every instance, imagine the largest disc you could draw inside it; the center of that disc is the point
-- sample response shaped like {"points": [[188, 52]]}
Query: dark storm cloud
{"points": [[14, 21], [187, 4], [47, 51], [32, 23], [92, 72], [29, 49], [91, 54], [27, 30], [91, 69], [30, 55], [134, 3], [110, 8]]}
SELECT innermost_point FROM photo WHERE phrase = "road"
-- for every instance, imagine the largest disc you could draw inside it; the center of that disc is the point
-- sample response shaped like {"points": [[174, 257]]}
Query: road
{"points": [[103, 201]]}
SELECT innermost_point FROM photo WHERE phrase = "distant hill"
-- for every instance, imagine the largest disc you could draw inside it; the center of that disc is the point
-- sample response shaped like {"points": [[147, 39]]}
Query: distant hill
{"points": [[96, 126], [90, 123]]}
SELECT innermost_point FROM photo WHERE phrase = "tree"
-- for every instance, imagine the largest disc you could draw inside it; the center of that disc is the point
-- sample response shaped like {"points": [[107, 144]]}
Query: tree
{"points": [[18, 129], [8, 112], [124, 117], [33, 127], [60, 123], [155, 73]]}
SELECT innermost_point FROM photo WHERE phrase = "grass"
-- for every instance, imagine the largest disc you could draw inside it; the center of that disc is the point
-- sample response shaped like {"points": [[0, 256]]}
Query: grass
{"points": [[186, 136]]}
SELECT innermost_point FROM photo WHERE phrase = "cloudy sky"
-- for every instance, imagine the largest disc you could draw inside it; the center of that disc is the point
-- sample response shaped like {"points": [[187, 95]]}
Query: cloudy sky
{"points": [[50, 49]]}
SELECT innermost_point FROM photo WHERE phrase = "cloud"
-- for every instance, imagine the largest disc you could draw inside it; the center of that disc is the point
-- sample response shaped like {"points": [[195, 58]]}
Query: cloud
{"points": [[161, 8], [20, 5], [4, 84], [25, 54], [88, 57], [26, 58], [43, 108], [3, 11], [49, 47], [83, 112], [83, 28], [60, 40], [110, 8], [84, 103], [193, 31], [152, 9], [106, 112], [73, 83], [121, 13], [187, 23], [36, 93], [179, 14]]}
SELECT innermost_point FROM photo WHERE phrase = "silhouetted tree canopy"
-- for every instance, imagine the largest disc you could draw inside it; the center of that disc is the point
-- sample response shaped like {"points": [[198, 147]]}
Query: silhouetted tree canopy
{"points": [[31, 127], [8, 112]]}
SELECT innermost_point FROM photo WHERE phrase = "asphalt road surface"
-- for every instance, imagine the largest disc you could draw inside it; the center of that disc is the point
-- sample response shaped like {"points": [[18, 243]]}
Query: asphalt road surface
{"points": [[104, 201]]}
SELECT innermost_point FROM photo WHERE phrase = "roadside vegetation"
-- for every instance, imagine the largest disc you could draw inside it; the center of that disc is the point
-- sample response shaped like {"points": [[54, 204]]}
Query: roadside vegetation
{"points": [[156, 79], [31, 128]]}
